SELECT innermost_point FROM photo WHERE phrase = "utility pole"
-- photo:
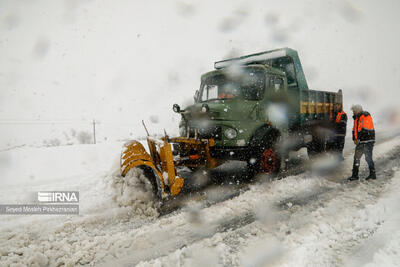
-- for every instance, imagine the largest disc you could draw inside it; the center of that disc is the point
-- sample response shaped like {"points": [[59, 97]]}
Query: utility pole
{"points": [[94, 131]]}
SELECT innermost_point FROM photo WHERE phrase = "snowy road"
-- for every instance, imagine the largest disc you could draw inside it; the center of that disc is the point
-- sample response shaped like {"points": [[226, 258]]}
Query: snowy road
{"points": [[301, 220]]}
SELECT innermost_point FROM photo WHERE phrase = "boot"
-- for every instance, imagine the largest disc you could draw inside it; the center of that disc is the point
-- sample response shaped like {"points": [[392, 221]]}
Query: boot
{"points": [[372, 175], [354, 176]]}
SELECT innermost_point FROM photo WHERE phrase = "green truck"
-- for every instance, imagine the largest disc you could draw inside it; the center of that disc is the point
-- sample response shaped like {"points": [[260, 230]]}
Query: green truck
{"points": [[255, 108], [258, 107]]}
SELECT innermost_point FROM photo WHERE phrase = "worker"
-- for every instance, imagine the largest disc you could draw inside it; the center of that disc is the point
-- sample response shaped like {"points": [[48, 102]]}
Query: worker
{"points": [[340, 125], [227, 91], [225, 95], [364, 139]]}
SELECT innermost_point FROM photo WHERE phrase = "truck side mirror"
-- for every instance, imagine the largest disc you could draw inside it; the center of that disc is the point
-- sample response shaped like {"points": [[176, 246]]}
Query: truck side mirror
{"points": [[176, 108], [196, 96]]}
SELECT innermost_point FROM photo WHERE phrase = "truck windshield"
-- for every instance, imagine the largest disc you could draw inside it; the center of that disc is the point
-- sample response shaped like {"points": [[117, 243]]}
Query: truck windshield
{"points": [[248, 85]]}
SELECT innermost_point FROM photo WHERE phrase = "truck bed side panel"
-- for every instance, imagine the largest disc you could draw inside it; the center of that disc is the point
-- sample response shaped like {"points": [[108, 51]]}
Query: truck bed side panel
{"points": [[318, 105]]}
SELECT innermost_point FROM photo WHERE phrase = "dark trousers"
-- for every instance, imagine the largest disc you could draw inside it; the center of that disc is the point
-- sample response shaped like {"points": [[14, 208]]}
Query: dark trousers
{"points": [[366, 149]]}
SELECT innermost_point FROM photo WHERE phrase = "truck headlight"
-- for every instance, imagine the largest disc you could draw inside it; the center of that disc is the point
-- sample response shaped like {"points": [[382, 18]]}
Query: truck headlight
{"points": [[230, 133], [182, 130]]}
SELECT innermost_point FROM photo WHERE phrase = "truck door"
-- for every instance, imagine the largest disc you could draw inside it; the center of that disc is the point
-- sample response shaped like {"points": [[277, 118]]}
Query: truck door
{"points": [[276, 84], [285, 96], [276, 102]]}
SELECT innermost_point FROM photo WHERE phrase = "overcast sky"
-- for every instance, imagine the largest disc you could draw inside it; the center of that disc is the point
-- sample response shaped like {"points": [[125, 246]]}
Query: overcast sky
{"points": [[128, 60]]}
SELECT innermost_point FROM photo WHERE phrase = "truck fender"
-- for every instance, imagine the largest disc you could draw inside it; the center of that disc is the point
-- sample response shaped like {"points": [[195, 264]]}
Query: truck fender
{"points": [[264, 139], [264, 136]]}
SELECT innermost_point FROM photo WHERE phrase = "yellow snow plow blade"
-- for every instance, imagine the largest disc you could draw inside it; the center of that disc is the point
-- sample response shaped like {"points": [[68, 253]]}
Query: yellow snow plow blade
{"points": [[135, 155], [158, 165]]}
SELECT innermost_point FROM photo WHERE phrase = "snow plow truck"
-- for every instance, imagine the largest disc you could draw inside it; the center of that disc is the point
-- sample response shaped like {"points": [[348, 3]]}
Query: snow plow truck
{"points": [[254, 108]]}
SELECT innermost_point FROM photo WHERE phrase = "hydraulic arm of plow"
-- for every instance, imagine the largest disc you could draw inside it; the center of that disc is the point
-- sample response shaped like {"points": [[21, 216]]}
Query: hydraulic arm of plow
{"points": [[160, 164]]}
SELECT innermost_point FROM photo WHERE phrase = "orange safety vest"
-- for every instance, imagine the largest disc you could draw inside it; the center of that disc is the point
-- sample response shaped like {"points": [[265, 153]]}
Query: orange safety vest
{"points": [[339, 116], [224, 95], [362, 122]]}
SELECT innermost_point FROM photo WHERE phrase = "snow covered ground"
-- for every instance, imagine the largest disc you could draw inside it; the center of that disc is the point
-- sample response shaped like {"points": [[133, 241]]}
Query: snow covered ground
{"points": [[301, 220]]}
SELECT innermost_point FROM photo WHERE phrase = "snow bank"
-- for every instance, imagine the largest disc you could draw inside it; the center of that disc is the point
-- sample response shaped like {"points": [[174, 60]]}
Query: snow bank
{"points": [[105, 205], [134, 191]]}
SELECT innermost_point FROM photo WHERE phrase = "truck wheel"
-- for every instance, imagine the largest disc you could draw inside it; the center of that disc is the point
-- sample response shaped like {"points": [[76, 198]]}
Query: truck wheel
{"points": [[314, 148], [269, 161], [266, 162]]}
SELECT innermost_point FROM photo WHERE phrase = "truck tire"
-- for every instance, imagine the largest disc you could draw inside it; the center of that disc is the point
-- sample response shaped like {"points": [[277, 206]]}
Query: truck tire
{"points": [[321, 139], [265, 161], [264, 156], [270, 161], [315, 148]]}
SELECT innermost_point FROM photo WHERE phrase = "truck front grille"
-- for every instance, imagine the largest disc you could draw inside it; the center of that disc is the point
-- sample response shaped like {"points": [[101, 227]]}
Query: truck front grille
{"points": [[206, 133]]}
